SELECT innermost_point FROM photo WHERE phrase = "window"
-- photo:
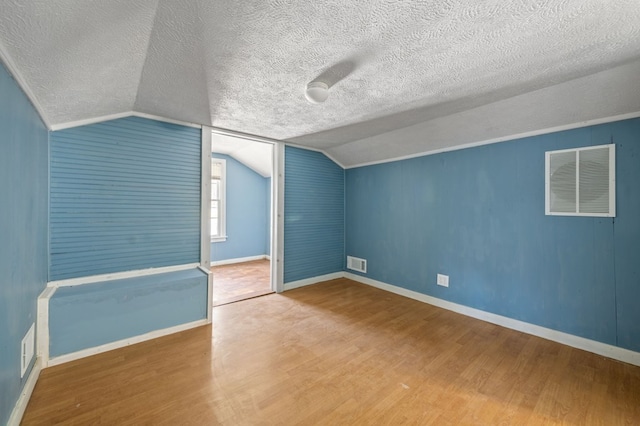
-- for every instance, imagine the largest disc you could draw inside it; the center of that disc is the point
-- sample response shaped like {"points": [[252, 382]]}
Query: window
{"points": [[218, 205]]}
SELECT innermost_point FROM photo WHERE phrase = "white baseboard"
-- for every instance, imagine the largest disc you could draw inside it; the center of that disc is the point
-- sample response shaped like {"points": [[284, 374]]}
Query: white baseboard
{"points": [[609, 351], [239, 260], [25, 395], [61, 359], [313, 280]]}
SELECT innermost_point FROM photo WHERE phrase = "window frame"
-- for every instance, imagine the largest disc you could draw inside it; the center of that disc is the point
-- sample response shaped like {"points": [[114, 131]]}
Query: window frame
{"points": [[222, 206]]}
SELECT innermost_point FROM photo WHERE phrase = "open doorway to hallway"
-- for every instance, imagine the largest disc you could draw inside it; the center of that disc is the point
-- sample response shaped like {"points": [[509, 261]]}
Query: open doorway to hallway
{"points": [[241, 205]]}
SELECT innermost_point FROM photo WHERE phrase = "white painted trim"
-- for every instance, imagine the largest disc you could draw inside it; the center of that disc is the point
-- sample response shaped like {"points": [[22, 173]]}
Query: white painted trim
{"points": [[25, 395], [205, 198], [205, 215], [277, 219], [209, 296], [516, 136], [42, 326], [125, 342], [207, 271], [313, 280], [222, 213], [238, 260], [277, 202], [242, 135], [115, 116], [166, 120], [87, 121], [11, 66], [609, 351], [120, 275]]}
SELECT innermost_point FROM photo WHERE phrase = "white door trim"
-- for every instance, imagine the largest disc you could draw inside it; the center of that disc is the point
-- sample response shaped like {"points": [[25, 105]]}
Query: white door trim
{"points": [[277, 203]]}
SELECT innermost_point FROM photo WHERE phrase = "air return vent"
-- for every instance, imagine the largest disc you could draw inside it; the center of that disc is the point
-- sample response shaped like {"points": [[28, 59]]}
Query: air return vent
{"points": [[581, 182], [357, 264], [26, 349]]}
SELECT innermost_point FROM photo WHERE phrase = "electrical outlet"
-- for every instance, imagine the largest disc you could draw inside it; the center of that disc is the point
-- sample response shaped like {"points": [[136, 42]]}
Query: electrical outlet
{"points": [[443, 280]]}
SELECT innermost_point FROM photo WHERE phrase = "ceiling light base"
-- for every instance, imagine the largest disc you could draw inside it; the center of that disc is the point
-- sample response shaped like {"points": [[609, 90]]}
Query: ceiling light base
{"points": [[317, 92]]}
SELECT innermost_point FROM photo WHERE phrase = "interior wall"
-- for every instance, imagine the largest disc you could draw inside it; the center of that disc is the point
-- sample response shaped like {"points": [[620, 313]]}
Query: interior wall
{"points": [[313, 215], [125, 195], [23, 230], [248, 197], [477, 215]]}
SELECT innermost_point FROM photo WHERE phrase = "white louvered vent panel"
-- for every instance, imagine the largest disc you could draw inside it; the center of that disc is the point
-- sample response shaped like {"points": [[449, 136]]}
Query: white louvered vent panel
{"points": [[563, 182], [594, 181], [581, 182], [357, 264]]}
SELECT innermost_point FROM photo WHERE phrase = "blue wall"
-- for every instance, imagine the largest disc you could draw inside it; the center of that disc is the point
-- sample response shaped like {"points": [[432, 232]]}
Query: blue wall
{"points": [[125, 195], [248, 212], [91, 315], [23, 230], [314, 215], [477, 215]]}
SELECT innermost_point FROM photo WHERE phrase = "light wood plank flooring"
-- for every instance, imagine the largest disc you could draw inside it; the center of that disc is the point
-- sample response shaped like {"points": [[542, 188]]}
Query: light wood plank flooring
{"points": [[240, 281], [340, 353]]}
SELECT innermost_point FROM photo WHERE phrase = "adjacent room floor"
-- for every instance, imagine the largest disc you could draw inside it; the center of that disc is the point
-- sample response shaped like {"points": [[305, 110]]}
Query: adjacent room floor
{"points": [[240, 281], [339, 353]]}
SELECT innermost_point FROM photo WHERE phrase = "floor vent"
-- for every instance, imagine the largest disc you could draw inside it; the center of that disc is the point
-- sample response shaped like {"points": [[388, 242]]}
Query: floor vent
{"points": [[357, 264]]}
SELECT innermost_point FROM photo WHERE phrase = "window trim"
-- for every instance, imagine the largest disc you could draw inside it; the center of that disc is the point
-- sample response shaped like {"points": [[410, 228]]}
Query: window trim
{"points": [[222, 210]]}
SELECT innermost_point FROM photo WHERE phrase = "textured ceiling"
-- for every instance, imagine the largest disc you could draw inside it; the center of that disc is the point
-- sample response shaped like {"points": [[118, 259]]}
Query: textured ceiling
{"points": [[398, 69]]}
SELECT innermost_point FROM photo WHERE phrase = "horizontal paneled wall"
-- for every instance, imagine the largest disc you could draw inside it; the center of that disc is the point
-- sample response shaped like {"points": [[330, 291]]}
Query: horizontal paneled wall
{"points": [[124, 195], [314, 215], [477, 215]]}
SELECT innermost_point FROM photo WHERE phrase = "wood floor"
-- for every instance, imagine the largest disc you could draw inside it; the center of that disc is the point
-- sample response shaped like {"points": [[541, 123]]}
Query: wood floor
{"points": [[240, 281], [340, 353]]}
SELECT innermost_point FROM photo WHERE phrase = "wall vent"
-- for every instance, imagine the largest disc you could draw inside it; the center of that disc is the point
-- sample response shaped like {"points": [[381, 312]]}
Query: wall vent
{"points": [[26, 349], [581, 182], [357, 264]]}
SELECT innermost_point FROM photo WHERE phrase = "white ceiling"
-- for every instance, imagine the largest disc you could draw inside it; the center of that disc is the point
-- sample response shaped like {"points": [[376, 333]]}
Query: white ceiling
{"points": [[258, 156], [405, 76]]}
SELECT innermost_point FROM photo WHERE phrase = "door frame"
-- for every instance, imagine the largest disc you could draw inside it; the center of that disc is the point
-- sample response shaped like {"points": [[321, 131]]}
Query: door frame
{"points": [[277, 207]]}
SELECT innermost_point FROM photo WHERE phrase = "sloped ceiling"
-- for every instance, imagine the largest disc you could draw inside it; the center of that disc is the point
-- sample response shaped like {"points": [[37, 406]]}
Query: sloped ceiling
{"points": [[404, 76], [258, 156]]}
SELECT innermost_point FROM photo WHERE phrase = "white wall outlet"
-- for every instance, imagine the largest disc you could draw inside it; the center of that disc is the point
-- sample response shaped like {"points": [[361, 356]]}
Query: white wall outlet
{"points": [[27, 349], [443, 280]]}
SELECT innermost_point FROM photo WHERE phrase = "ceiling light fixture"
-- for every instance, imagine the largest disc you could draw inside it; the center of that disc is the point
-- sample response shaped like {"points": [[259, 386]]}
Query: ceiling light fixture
{"points": [[317, 92]]}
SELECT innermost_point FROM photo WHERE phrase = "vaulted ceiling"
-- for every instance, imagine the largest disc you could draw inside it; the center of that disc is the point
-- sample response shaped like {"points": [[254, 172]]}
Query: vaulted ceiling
{"points": [[405, 76]]}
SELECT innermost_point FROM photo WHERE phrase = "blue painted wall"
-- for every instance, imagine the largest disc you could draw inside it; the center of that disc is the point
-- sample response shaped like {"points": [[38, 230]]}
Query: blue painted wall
{"points": [[314, 215], [91, 315], [248, 204], [23, 230], [125, 195], [477, 215]]}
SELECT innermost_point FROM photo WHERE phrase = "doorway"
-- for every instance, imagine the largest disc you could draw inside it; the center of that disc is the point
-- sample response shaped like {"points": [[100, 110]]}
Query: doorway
{"points": [[242, 205]]}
